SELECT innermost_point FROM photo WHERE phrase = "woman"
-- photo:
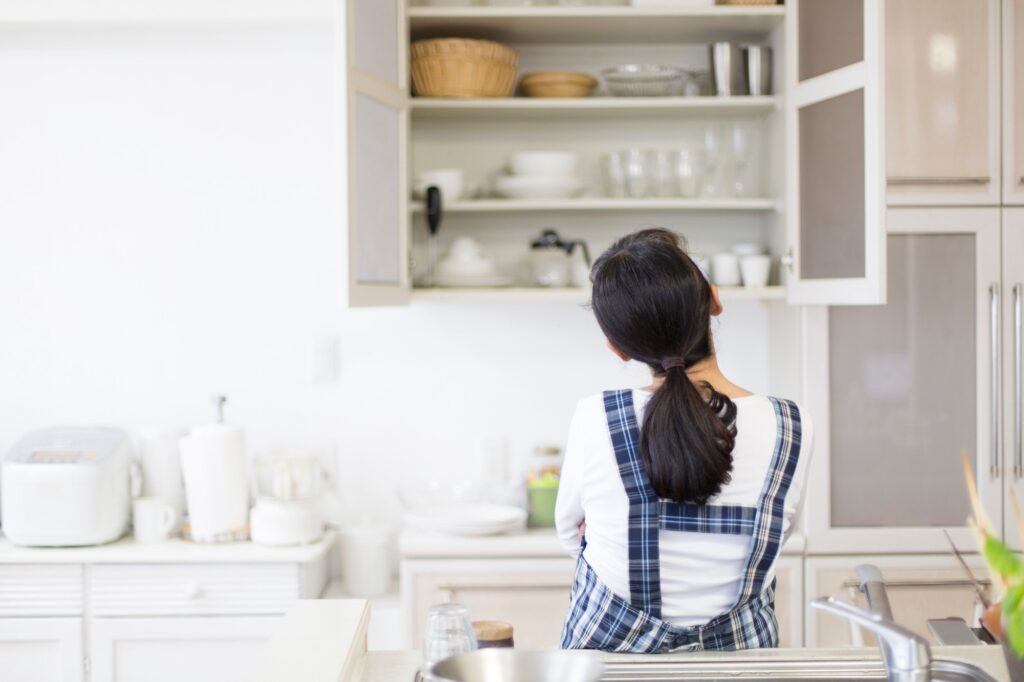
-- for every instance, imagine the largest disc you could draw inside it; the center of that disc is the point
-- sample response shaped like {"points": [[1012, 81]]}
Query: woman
{"points": [[676, 498]]}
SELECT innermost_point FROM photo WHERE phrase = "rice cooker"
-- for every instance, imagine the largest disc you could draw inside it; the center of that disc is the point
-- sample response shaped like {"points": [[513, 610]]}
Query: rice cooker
{"points": [[67, 486]]}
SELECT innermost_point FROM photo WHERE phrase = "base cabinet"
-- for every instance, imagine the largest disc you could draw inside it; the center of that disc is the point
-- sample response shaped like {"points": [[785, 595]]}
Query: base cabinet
{"points": [[174, 649], [919, 587], [41, 649]]}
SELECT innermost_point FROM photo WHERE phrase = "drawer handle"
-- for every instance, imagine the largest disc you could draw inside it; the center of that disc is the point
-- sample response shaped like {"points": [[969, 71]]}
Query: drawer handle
{"points": [[849, 584], [193, 590], [940, 180]]}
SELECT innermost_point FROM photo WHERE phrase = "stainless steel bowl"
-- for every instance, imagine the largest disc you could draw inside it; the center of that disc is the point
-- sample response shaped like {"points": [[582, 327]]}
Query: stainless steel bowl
{"points": [[510, 665]]}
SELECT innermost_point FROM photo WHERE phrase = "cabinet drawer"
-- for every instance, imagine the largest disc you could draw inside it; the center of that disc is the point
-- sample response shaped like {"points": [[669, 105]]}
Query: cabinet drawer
{"points": [[40, 590], [194, 589]]}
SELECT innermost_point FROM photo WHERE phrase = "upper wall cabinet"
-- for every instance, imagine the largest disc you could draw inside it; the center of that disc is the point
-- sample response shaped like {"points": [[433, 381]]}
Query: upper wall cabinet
{"points": [[1013, 102], [942, 102], [835, 160], [378, 123]]}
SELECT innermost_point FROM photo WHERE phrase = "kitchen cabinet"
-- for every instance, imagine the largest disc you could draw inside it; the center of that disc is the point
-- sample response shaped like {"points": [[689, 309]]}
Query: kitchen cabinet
{"points": [[899, 391], [171, 610], [41, 649], [919, 588], [174, 649], [943, 102], [1013, 370], [1013, 102], [835, 247]]}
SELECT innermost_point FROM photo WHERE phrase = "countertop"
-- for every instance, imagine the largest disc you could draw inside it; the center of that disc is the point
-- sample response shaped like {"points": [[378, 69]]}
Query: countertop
{"points": [[126, 551], [325, 640], [531, 543]]}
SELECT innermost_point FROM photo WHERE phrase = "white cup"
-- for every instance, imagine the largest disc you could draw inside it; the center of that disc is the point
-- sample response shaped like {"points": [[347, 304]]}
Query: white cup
{"points": [[152, 519], [448, 180], [725, 269], [755, 270]]}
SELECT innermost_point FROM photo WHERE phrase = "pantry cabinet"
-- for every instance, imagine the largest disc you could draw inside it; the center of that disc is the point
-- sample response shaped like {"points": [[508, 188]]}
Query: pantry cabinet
{"points": [[919, 589], [899, 391], [826, 106], [943, 102], [1013, 102]]}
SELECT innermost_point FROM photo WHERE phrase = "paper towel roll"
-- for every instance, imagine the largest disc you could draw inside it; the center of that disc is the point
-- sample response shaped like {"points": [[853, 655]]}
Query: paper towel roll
{"points": [[213, 464]]}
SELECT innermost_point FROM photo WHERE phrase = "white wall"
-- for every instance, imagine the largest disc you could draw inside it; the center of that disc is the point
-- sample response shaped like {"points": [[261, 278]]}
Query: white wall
{"points": [[168, 229]]}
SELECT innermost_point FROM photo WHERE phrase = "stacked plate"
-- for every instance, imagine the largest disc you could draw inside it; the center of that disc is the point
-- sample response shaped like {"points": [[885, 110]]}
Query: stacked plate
{"points": [[466, 519], [540, 175]]}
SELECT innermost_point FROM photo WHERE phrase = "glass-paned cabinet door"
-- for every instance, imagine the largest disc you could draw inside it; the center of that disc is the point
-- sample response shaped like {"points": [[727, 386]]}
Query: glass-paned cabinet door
{"points": [[835, 160], [1013, 364], [378, 124], [1013, 102], [942, 102], [902, 389]]}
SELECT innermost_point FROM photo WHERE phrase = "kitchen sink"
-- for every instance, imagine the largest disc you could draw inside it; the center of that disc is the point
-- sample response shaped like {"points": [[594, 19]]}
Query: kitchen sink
{"points": [[791, 670]]}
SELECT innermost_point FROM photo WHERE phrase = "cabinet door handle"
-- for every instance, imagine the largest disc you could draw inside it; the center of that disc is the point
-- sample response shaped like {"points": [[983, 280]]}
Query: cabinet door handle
{"points": [[940, 180], [1018, 399], [920, 584], [993, 293]]}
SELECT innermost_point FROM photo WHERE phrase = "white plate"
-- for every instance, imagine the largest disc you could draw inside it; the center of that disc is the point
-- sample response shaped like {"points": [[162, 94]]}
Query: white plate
{"points": [[538, 187], [467, 519], [471, 281]]}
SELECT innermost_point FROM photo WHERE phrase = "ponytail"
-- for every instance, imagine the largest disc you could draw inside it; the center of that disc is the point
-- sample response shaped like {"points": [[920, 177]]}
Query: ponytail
{"points": [[686, 439], [654, 304]]}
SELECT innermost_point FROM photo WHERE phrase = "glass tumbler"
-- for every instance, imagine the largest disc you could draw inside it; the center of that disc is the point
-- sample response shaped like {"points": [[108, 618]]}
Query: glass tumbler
{"points": [[637, 177], [660, 173], [613, 171], [687, 173], [449, 632]]}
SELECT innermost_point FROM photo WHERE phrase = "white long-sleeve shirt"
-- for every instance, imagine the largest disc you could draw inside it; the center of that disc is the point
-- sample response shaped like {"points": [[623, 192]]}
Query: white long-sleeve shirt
{"points": [[700, 573]]}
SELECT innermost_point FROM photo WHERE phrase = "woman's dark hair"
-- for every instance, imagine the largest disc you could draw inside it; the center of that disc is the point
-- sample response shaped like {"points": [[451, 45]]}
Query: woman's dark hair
{"points": [[654, 304]]}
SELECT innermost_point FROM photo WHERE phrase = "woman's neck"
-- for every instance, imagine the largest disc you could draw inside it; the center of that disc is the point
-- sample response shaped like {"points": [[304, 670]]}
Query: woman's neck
{"points": [[707, 370]]}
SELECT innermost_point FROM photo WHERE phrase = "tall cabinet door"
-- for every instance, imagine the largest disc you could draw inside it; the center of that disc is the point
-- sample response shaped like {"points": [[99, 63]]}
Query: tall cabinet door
{"points": [[899, 391], [1013, 367], [942, 102], [378, 122], [835, 143], [1013, 102]]}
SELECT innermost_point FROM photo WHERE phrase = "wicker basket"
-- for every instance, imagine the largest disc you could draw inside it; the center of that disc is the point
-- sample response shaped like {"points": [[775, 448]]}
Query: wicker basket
{"points": [[459, 67], [557, 84]]}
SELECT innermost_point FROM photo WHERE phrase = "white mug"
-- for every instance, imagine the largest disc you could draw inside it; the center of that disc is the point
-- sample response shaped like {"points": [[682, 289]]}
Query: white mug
{"points": [[448, 180], [755, 270], [152, 519], [725, 269]]}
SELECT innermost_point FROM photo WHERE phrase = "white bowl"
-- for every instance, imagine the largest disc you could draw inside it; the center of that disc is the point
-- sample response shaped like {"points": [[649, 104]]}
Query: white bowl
{"points": [[538, 186], [543, 163]]}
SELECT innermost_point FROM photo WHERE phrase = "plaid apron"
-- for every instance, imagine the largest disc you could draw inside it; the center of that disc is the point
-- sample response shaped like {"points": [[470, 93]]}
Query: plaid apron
{"points": [[600, 619]]}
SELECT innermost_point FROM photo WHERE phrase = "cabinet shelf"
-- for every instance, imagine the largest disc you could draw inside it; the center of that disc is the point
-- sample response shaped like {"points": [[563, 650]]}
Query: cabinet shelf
{"points": [[597, 24], [604, 204], [570, 295], [591, 107]]}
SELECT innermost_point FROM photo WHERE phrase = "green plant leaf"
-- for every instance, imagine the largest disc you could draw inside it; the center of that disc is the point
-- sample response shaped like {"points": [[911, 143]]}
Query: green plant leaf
{"points": [[1012, 598], [1015, 633], [1002, 559]]}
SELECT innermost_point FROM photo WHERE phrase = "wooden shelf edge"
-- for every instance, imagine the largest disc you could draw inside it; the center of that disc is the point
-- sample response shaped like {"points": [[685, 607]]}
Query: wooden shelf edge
{"points": [[594, 12], [570, 295], [609, 103], [602, 204]]}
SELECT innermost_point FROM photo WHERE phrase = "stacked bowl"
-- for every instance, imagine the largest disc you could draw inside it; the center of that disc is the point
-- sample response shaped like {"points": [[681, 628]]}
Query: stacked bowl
{"points": [[540, 175]]}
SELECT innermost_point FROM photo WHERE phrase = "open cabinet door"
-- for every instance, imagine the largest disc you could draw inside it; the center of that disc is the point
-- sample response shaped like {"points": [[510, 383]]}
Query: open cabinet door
{"points": [[835, 204], [378, 123]]}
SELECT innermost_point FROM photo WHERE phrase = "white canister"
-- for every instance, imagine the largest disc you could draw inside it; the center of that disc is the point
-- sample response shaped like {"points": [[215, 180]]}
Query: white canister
{"points": [[367, 559], [756, 270], [213, 465], [725, 269]]}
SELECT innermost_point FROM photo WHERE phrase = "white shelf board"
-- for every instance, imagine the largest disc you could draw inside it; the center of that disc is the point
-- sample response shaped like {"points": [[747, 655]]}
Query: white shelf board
{"points": [[571, 295], [597, 24], [17, 13], [603, 204], [591, 107]]}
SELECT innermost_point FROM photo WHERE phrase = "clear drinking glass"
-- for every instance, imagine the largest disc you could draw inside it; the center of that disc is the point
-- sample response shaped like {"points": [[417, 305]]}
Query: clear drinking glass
{"points": [[660, 173], [713, 153], [687, 173], [613, 171], [741, 154], [449, 632], [637, 184]]}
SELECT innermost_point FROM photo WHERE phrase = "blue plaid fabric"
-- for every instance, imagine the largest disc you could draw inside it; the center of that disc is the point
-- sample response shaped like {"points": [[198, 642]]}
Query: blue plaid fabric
{"points": [[600, 619]]}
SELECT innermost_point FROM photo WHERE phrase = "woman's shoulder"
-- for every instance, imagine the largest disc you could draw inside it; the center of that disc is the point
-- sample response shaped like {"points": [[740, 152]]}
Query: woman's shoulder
{"points": [[774, 413]]}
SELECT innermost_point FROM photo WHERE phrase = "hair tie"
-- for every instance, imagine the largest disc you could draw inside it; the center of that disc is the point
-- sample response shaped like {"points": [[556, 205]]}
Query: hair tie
{"points": [[669, 363]]}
